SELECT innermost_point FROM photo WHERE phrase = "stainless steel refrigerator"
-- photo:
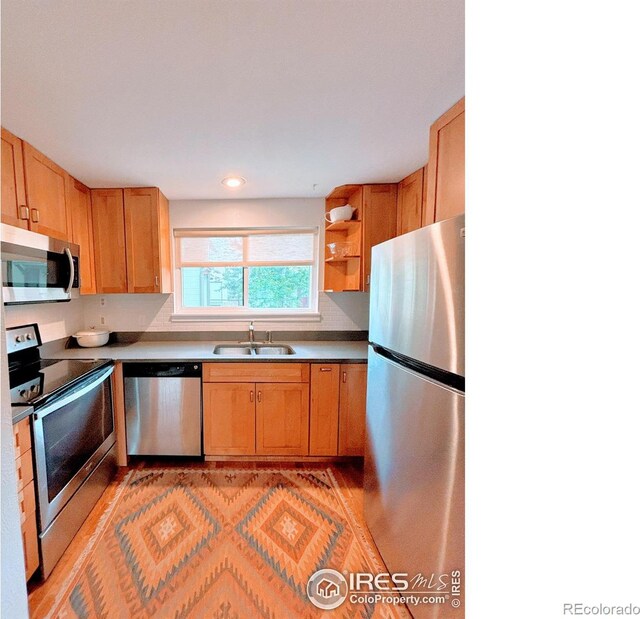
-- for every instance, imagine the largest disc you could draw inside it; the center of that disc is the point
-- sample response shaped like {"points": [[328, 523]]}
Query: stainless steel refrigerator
{"points": [[414, 459]]}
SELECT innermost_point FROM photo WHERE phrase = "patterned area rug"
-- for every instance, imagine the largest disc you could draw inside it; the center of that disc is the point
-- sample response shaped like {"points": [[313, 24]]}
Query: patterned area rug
{"points": [[219, 543]]}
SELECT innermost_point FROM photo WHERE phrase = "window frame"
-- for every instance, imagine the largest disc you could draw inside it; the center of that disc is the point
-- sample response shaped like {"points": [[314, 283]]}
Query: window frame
{"points": [[244, 313]]}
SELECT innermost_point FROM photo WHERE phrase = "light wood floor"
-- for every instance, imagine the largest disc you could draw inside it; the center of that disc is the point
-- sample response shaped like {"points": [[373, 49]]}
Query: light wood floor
{"points": [[42, 594]]}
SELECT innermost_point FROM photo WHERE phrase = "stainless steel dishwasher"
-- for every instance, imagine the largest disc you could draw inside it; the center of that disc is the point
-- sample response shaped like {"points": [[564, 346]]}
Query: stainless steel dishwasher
{"points": [[163, 404]]}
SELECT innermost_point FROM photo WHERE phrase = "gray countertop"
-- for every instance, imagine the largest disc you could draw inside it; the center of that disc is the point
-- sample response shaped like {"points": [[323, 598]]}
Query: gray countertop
{"points": [[354, 352], [18, 413]]}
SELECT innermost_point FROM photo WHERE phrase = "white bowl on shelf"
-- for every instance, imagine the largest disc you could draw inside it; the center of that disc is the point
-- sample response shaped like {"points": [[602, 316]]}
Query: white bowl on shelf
{"points": [[92, 338]]}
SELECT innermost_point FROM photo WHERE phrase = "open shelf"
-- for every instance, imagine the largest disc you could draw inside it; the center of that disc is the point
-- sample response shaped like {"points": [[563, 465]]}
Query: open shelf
{"points": [[341, 258], [342, 225]]}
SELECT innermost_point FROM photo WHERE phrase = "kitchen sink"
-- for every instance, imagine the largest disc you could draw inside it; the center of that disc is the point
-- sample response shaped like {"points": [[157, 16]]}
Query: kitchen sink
{"points": [[273, 349], [223, 349], [254, 349]]}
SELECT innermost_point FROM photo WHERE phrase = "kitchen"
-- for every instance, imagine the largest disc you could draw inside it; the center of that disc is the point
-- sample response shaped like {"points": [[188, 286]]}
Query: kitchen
{"points": [[238, 296]]}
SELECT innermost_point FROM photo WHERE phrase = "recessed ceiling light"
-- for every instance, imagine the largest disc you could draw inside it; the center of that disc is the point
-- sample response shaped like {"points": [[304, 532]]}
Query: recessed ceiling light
{"points": [[233, 181]]}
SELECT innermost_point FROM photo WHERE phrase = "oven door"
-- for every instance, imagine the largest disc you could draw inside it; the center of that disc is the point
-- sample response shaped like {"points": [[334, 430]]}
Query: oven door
{"points": [[37, 268], [71, 436]]}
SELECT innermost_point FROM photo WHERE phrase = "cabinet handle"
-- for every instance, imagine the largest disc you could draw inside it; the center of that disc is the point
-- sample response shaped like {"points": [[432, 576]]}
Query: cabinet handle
{"points": [[156, 280], [24, 212], [20, 472], [344, 377], [35, 215], [251, 396], [259, 396], [368, 279], [326, 369]]}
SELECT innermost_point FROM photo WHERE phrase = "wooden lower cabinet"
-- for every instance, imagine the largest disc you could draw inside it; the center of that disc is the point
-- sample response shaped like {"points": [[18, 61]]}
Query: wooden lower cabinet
{"points": [[282, 419], [353, 400], [324, 410], [284, 414], [229, 419], [26, 495]]}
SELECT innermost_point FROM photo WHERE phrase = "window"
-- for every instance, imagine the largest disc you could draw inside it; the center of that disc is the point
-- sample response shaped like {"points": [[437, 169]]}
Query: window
{"points": [[237, 272]]}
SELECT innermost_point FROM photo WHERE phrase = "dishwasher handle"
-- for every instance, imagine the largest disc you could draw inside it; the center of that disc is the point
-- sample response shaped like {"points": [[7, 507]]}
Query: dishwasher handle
{"points": [[162, 370]]}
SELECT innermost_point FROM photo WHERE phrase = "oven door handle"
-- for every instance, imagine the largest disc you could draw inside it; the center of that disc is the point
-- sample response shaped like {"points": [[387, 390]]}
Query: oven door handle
{"points": [[74, 394], [72, 269]]}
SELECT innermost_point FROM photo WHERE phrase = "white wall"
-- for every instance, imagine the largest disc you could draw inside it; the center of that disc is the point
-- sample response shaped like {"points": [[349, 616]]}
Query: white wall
{"points": [[347, 311], [56, 320], [13, 587]]}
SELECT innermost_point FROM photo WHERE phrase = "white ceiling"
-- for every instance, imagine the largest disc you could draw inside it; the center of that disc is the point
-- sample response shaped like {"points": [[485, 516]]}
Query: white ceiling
{"points": [[180, 93]]}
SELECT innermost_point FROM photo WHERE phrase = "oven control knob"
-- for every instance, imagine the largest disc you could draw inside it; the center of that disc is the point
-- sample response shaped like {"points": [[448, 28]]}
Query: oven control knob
{"points": [[29, 336], [19, 338], [23, 394], [33, 389]]}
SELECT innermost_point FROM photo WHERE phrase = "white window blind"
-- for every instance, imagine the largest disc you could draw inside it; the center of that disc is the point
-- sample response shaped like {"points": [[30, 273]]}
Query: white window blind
{"points": [[246, 270]]}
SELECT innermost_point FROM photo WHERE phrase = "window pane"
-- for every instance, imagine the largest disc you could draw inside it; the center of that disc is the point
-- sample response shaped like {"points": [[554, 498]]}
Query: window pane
{"points": [[211, 249], [280, 287], [212, 287], [280, 247]]}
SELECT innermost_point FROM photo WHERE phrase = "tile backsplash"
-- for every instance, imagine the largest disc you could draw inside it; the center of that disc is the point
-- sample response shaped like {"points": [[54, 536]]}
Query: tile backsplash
{"points": [[152, 312], [56, 320]]}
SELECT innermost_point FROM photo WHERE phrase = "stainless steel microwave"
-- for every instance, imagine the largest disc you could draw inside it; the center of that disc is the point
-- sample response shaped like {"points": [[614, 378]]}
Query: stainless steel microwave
{"points": [[37, 268]]}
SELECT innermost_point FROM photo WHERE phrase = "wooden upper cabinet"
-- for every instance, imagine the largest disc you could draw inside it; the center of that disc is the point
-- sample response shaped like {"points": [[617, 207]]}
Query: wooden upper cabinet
{"points": [[109, 242], [323, 414], [373, 222], [147, 235], [379, 222], [79, 207], [45, 185], [353, 399], [410, 200], [445, 185], [14, 202]]}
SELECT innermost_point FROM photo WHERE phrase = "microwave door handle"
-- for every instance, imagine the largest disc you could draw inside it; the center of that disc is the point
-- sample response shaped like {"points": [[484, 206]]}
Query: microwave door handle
{"points": [[72, 269]]}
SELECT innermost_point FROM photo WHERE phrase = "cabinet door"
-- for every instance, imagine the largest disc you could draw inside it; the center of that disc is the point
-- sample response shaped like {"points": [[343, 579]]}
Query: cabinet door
{"points": [[323, 414], [282, 419], [46, 194], [108, 240], [445, 186], [143, 219], [353, 398], [379, 220], [229, 418], [410, 202], [30, 545], [14, 203], [79, 205]]}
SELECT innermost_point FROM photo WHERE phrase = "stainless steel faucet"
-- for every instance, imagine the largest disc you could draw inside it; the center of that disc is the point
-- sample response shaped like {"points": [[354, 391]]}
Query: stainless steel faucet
{"points": [[251, 333]]}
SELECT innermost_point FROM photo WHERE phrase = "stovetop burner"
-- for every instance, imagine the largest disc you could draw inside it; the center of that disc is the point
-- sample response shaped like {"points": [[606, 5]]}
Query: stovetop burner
{"points": [[34, 383], [33, 380]]}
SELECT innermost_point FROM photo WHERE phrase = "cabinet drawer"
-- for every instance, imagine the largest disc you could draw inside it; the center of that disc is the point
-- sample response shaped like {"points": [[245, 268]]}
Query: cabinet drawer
{"points": [[24, 468], [30, 545], [27, 501], [255, 372], [22, 436]]}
